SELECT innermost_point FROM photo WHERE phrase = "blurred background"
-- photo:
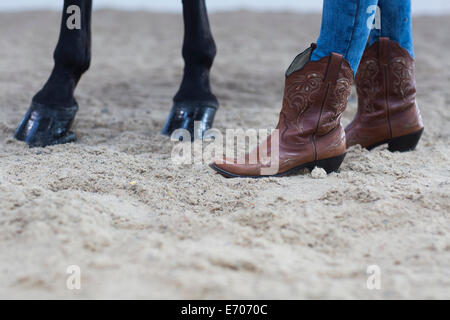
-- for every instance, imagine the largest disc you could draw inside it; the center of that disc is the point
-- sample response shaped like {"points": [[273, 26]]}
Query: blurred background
{"points": [[420, 6]]}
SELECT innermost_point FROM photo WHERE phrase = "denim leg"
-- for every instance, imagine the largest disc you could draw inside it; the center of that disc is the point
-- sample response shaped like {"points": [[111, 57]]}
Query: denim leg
{"points": [[345, 29], [396, 23]]}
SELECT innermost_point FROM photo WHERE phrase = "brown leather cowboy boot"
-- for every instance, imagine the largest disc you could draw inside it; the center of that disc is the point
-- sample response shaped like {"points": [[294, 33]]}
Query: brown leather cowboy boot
{"points": [[387, 108], [309, 131]]}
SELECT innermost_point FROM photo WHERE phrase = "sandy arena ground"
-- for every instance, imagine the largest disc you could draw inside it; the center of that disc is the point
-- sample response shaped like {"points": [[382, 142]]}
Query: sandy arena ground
{"points": [[140, 227]]}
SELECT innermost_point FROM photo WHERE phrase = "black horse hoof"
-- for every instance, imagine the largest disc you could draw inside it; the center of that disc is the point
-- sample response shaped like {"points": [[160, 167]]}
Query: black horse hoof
{"points": [[195, 118], [44, 126]]}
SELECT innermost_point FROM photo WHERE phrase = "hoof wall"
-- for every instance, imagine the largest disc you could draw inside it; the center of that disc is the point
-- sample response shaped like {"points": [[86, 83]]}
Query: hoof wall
{"points": [[44, 126], [196, 119]]}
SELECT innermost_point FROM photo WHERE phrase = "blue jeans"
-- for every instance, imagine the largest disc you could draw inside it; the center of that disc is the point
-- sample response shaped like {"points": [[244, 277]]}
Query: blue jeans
{"points": [[349, 25]]}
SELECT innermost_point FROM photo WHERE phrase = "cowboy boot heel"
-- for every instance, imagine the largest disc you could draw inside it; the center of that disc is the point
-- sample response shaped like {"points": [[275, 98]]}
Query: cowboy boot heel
{"points": [[405, 143], [331, 164]]}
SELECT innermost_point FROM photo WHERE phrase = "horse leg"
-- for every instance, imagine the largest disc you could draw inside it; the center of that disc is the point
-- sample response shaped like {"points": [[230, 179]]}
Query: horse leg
{"points": [[53, 108], [194, 101]]}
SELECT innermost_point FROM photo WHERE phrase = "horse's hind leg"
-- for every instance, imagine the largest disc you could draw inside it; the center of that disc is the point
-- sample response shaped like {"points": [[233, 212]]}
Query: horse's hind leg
{"points": [[194, 101], [53, 108]]}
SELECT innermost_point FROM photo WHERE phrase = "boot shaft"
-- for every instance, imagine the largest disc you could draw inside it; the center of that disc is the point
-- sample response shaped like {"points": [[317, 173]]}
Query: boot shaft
{"points": [[386, 88], [316, 94], [387, 72]]}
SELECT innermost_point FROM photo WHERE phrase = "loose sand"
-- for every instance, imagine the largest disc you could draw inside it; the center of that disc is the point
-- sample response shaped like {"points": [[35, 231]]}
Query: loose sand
{"points": [[140, 227]]}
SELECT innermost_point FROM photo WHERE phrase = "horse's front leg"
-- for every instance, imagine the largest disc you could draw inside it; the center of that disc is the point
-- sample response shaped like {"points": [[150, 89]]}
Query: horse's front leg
{"points": [[53, 108], [194, 101]]}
